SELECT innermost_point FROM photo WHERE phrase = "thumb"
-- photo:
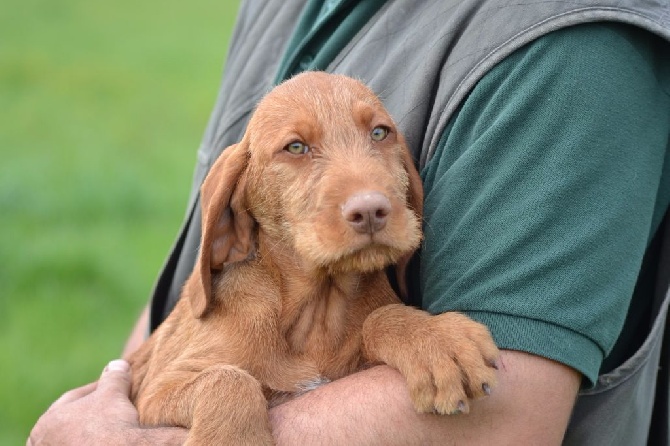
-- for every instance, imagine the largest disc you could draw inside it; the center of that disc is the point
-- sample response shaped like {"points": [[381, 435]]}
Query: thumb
{"points": [[116, 378]]}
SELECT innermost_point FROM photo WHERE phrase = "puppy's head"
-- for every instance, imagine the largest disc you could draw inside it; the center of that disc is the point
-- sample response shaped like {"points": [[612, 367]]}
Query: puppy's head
{"points": [[322, 170]]}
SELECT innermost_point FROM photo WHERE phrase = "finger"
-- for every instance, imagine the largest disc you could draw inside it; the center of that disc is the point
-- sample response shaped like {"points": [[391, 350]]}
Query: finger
{"points": [[116, 378], [74, 395], [117, 365]]}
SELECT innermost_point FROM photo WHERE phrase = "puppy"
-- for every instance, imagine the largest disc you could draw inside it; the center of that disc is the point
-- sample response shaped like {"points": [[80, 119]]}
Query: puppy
{"points": [[300, 218]]}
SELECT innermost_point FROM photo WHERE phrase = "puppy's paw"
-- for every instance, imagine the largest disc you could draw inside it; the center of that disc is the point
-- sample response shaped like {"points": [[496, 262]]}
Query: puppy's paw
{"points": [[456, 362], [448, 359]]}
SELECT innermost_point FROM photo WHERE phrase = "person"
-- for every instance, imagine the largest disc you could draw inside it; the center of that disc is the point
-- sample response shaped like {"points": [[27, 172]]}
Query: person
{"points": [[541, 133]]}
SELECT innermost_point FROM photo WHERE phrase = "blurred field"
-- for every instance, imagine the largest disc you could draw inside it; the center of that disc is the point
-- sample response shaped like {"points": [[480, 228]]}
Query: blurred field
{"points": [[102, 106]]}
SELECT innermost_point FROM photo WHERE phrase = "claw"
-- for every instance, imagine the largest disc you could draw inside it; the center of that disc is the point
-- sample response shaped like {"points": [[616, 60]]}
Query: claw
{"points": [[461, 408]]}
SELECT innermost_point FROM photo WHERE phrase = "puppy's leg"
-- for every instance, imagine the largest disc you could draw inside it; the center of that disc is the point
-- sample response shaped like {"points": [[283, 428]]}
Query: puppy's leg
{"points": [[220, 405], [446, 359]]}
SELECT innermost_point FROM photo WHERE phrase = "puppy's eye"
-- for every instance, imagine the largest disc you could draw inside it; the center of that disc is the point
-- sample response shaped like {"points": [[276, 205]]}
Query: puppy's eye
{"points": [[297, 148], [379, 133]]}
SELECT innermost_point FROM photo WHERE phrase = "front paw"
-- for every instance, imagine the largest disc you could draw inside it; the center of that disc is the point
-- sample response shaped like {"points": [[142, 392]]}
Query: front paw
{"points": [[447, 359]]}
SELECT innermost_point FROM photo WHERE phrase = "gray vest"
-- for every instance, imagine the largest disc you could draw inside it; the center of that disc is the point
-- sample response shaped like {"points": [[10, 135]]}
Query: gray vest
{"points": [[422, 58]]}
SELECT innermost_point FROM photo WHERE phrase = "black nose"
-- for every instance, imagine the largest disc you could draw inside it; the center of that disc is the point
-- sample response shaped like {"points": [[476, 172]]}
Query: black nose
{"points": [[367, 212]]}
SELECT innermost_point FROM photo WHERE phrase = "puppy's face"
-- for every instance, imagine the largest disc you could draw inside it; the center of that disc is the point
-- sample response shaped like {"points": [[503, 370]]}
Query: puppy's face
{"points": [[329, 174]]}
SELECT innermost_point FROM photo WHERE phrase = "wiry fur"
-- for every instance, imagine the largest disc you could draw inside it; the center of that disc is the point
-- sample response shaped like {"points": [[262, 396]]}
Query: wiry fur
{"points": [[283, 286]]}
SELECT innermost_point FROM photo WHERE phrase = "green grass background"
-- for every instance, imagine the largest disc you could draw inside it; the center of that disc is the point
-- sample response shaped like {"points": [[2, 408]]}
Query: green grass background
{"points": [[102, 107]]}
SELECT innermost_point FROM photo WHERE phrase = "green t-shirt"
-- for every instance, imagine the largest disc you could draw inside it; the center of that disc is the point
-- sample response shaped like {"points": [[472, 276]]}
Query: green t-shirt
{"points": [[546, 189], [548, 186]]}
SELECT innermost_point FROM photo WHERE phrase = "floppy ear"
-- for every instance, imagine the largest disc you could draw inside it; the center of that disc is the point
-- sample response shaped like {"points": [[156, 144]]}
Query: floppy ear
{"points": [[227, 227], [415, 202]]}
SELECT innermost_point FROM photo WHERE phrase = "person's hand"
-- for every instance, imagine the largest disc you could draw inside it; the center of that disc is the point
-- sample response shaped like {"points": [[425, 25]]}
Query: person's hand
{"points": [[99, 413]]}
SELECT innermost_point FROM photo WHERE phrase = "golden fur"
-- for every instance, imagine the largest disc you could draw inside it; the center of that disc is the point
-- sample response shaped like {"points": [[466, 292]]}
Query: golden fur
{"points": [[289, 288]]}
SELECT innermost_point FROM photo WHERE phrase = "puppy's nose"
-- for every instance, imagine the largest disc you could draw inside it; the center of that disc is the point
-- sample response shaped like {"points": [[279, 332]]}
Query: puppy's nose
{"points": [[367, 212]]}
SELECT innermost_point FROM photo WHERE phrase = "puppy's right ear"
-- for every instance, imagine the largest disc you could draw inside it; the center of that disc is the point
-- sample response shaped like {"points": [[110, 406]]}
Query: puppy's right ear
{"points": [[227, 227]]}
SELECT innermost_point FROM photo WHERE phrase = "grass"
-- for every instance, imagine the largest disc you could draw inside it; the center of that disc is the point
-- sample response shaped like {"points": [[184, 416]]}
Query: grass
{"points": [[102, 107]]}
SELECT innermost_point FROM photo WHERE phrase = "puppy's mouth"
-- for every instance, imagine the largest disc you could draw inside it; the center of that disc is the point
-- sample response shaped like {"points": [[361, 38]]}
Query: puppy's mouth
{"points": [[366, 259], [363, 254]]}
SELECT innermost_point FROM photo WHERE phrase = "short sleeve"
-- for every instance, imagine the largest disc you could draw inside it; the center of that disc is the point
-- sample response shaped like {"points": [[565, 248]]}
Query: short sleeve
{"points": [[546, 188]]}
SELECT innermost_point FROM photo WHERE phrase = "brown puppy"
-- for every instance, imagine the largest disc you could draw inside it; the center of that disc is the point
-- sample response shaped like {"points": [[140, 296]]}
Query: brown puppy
{"points": [[299, 220]]}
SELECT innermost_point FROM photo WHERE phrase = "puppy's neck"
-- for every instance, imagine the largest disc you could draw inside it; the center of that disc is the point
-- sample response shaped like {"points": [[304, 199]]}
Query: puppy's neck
{"points": [[318, 309]]}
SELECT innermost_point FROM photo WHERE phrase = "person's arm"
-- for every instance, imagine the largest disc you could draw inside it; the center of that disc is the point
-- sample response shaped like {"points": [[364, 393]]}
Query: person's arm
{"points": [[138, 335], [369, 407], [531, 405]]}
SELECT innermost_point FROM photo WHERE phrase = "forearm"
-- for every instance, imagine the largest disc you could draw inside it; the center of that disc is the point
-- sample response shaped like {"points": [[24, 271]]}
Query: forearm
{"points": [[530, 405], [163, 435], [138, 334]]}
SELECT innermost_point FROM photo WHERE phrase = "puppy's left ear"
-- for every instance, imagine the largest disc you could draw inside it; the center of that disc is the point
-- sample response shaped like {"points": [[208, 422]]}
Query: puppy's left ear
{"points": [[415, 190], [227, 226], [415, 202]]}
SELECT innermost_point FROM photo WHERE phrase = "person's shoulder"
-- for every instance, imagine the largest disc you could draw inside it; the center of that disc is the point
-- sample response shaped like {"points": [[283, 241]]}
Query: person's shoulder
{"points": [[583, 68], [603, 47], [597, 33]]}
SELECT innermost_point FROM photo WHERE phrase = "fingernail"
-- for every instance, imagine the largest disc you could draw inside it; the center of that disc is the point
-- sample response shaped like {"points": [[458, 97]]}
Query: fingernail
{"points": [[118, 365]]}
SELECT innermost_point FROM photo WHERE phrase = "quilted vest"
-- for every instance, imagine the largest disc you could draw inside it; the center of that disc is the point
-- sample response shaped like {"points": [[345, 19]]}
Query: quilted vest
{"points": [[423, 58]]}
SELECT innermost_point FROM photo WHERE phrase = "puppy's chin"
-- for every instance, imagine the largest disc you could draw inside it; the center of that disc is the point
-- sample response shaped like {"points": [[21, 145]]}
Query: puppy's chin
{"points": [[370, 259]]}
